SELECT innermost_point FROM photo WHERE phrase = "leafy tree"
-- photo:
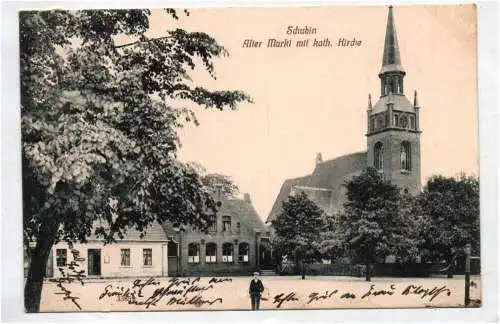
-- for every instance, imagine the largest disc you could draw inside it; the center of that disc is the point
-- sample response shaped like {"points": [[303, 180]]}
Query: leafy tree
{"points": [[372, 224], [297, 228], [211, 180], [98, 130], [407, 230], [451, 208]]}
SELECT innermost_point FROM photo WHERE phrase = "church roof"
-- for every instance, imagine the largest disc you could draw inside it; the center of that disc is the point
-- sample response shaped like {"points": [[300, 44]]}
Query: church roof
{"points": [[322, 197], [285, 190], [401, 103], [329, 175], [391, 60]]}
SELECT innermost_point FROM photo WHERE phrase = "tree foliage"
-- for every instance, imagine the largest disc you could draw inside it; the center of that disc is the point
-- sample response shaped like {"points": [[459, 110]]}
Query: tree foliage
{"points": [[98, 129], [376, 222], [450, 206], [297, 229], [212, 180]]}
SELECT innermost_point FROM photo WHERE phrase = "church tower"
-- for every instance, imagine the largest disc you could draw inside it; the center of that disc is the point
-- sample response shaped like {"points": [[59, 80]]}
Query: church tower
{"points": [[393, 136]]}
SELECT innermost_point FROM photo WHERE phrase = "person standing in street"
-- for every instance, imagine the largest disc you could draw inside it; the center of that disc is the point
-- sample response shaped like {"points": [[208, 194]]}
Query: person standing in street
{"points": [[255, 291]]}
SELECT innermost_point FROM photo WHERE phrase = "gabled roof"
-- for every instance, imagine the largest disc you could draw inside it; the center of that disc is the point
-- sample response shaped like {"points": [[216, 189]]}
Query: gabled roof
{"points": [[154, 233], [329, 175], [241, 209], [245, 211]]}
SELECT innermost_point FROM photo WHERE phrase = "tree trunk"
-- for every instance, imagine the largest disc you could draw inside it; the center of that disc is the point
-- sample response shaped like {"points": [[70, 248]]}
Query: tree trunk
{"points": [[368, 273], [36, 271], [451, 267], [303, 270]]}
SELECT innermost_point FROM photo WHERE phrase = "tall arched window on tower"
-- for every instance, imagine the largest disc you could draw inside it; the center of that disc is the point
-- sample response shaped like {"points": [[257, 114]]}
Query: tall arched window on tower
{"points": [[405, 156], [378, 156]]}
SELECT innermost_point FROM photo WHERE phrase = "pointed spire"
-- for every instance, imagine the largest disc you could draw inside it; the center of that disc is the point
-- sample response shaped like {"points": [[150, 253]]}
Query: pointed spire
{"points": [[370, 101], [415, 100], [391, 60]]}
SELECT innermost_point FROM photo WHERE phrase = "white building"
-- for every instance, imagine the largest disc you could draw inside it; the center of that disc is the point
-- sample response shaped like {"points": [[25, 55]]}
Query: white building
{"points": [[132, 256]]}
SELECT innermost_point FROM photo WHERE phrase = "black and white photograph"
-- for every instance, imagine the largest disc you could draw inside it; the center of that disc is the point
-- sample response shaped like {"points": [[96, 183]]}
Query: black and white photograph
{"points": [[250, 158]]}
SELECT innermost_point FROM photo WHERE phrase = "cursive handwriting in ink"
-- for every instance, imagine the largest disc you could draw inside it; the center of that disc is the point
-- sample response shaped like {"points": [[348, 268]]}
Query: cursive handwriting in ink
{"points": [[373, 292], [424, 292], [281, 298], [316, 296], [219, 280], [348, 295], [179, 290], [196, 301], [71, 274], [141, 285]]}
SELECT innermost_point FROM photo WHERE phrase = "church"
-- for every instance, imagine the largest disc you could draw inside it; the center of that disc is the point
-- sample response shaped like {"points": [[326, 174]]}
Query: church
{"points": [[392, 140]]}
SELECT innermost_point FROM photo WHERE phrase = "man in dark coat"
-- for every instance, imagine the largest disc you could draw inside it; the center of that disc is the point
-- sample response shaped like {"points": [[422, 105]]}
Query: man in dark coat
{"points": [[255, 291]]}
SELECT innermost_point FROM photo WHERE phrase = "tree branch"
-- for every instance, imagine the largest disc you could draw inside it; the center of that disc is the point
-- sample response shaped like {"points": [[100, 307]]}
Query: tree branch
{"points": [[145, 41]]}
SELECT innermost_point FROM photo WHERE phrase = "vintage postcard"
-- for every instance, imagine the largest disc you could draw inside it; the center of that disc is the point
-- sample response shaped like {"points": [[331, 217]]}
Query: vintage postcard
{"points": [[250, 158]]}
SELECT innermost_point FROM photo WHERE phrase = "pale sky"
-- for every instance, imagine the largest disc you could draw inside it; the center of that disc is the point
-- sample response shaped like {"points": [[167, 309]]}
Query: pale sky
{"points": [[310, 100]]}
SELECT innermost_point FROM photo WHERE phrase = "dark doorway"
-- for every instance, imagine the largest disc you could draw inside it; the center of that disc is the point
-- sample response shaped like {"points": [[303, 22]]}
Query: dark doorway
{"points": [[173, 258], [94, 262], [265, 258]]}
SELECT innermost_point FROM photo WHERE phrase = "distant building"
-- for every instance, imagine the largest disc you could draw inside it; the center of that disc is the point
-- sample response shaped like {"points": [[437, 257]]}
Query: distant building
{"points": [[392, 137], [237, 243]]}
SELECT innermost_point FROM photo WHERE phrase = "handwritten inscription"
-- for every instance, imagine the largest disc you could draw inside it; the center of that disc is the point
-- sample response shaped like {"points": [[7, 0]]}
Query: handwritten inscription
{"points": [[317, 296], [281, 298], [426, 292], [185, 291], [68, 275], [374, 292]]}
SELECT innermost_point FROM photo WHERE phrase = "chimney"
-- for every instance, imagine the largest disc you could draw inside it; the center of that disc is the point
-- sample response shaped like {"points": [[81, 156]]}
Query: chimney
{"points": [[319, 158], [246, 197], [218, 192]]}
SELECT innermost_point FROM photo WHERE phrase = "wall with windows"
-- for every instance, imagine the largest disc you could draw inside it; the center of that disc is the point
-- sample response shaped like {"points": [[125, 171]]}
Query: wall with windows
{"points": [[121, 259], [399, 159], [228, 247]]}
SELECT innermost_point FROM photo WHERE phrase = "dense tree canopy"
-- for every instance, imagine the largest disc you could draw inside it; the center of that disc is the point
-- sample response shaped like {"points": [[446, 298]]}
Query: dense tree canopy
{"points": [[376, 222], [99, 131], [297, 229], [451, 208]]}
